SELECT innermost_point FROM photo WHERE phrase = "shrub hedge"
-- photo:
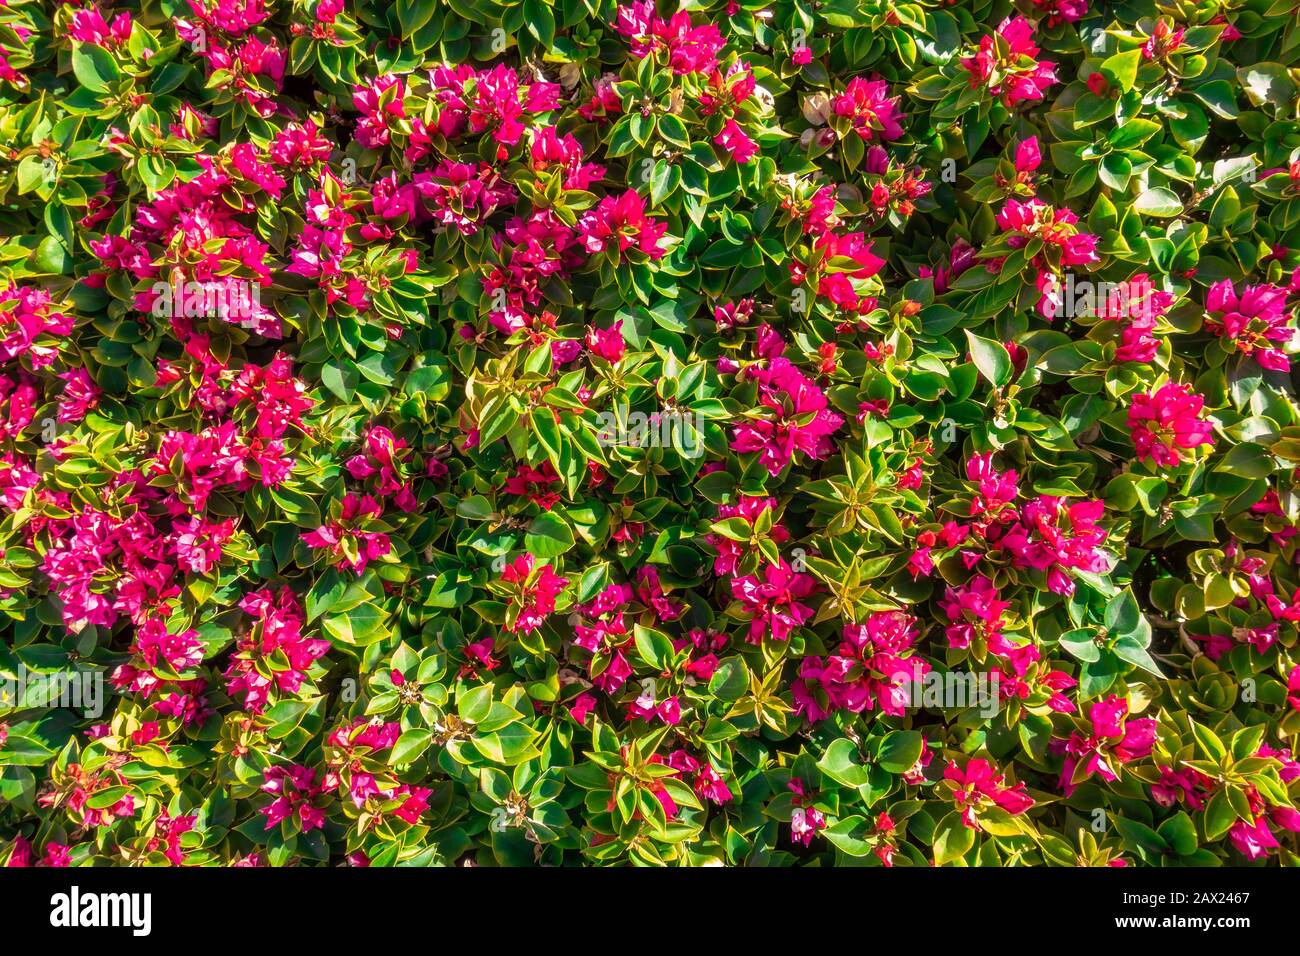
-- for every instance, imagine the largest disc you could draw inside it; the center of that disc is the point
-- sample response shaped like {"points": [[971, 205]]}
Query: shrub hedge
{"points": [[762, 432]]}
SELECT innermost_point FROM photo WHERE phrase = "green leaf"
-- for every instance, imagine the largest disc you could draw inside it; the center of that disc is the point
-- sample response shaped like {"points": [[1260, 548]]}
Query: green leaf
{"points": [[1121, 69], [952, 839], [540, 21], [1159, 202], [991, 359], [94, 67], [410, 745], [730, 680], [1219, 96], [475, 704], [1267, 84], [838, 763], [1131, 649], [842, 834], [1219, 816], [672, 129], [361, 626], [549, 535], [1133, 133], [900, 750], [1081, 644], [1208, 742], [1180, 833], [655, 647]]}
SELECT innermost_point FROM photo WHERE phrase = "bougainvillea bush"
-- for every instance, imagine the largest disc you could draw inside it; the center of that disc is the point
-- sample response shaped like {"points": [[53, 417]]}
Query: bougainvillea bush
{"points": [[765, 432]]}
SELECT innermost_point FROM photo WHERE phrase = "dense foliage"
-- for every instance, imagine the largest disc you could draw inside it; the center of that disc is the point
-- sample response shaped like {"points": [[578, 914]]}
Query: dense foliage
{"points": [[766, 432]]}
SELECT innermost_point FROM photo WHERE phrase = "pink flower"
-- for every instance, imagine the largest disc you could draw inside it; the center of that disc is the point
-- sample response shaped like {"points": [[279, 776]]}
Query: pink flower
{"points": [[534, 593], [805, 821], [157, 655], [462, 196], [651, 593], [199, 544], [276, 637], [1018, 76], [582, 705], [872, 112], [1053, 535], [620, 224], [728, 317], [800, 419], [20, 853], [996, 488], [477, 102], [709, 785], [1164, 40], [1028, 156], [378, 108], [976, 611], [668, 711], [848, 251], [604, 103], [734, 141], [345, 537], [1062, 11], [57, 855], [1230, 32], [88, 26], [1253, 840], [725, 92], [1290, 767], [607, 344], [774, 602], [730, 550], [1167, 421], [872, 669], [689, 48], [978, 784], [805, 824], [1035, 219], [549, 151], [1256, 322], [31, 326], [1190, 785], [300, 146], [537, 484], [1137, 305], [296, 794], [80, 395], [1114, 740]]}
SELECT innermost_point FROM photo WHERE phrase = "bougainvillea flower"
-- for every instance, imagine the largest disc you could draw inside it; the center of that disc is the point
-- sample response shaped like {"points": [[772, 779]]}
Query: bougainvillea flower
{"points": [[873, 113], [1256, 322], [1007, 64], [1114, 740], [774, 601], [978, 784], [1167, 422], [538, 588]]}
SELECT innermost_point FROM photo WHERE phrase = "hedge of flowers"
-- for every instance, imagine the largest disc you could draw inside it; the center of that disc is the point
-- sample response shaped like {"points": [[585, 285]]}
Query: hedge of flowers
{"points": [[760, 432]]}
